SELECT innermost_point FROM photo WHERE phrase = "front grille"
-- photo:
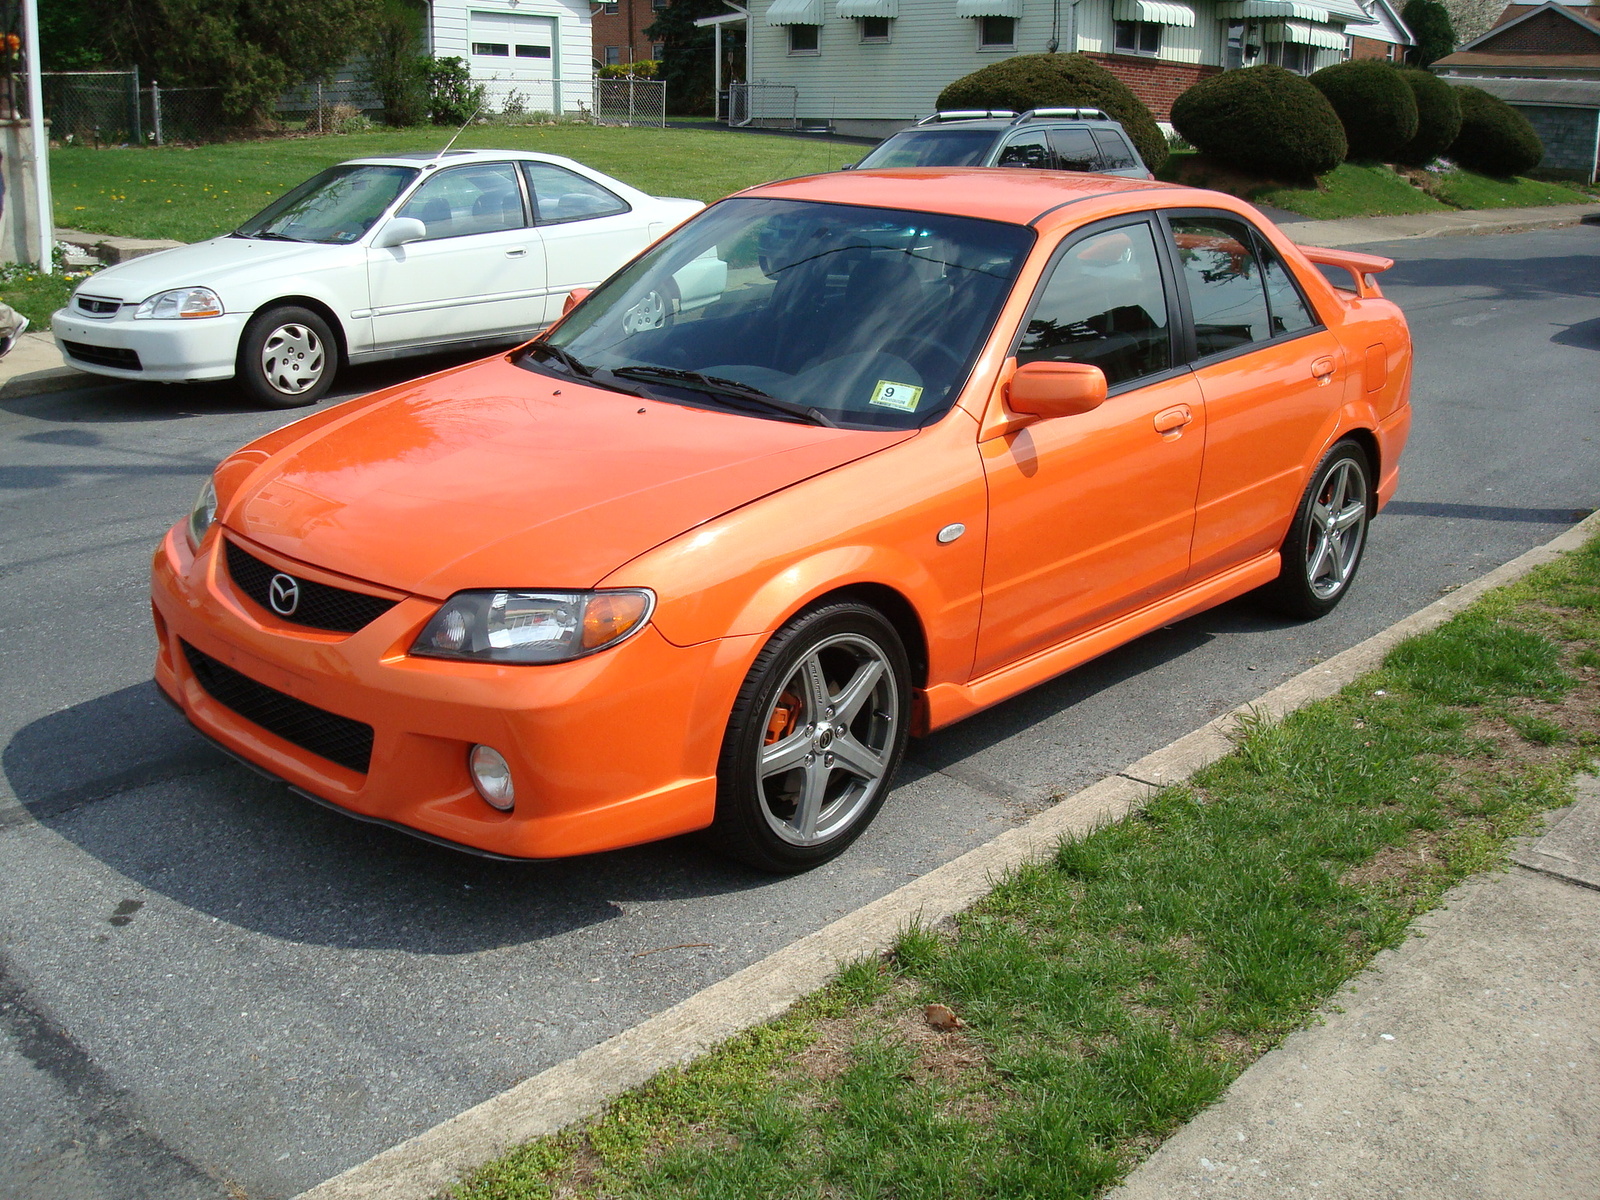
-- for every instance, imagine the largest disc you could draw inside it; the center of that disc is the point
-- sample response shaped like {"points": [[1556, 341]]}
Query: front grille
{"points": [[318, 605], [103, 356], [328, 735], [95, 307]]}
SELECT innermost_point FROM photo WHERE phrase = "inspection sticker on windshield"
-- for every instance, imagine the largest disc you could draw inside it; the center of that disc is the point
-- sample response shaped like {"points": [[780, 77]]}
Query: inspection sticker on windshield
{"points": [[896, 395]]}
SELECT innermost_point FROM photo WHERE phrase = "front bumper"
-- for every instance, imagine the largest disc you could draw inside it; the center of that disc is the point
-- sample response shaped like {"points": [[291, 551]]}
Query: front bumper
{"points": [[160, 351], [611, 750]]}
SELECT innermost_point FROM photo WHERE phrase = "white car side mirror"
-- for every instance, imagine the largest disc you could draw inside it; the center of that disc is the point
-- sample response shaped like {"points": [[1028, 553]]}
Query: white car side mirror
{"points": [[400, 231]]}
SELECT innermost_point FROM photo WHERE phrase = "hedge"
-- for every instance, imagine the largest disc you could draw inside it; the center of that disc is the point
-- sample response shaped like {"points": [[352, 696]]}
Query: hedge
{"points": [[1376, 108], [1049, 80], [1264, 120], [1438, 117], [1495, 139]]}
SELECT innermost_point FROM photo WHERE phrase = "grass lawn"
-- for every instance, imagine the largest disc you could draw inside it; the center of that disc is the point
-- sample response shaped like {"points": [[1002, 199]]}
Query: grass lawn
{"points": [[1110, 993], [1463, 189], [36, 296], [195, 193], [1352, 190]]}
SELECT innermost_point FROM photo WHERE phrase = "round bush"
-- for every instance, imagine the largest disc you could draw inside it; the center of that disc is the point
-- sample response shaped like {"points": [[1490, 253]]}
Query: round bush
{"points": [[1050, 80], [1438, 117], [1376, 108], [1495, 139], [1264, 120]]}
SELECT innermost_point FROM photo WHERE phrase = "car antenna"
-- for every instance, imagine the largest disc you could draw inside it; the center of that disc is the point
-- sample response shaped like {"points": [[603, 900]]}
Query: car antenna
{"points": [[458, 133]]}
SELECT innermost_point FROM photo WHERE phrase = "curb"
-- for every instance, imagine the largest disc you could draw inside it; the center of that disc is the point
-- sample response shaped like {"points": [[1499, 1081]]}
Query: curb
{"points": [[1355, 231], [556, 1098], [35, 367]]}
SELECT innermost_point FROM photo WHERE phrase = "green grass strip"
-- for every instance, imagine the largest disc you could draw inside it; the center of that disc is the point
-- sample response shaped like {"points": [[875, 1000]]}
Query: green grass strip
{"points": [[1112, 992]]}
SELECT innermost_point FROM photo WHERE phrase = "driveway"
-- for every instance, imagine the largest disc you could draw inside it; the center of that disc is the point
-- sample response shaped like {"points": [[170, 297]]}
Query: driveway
{"points": [[211, 988]]}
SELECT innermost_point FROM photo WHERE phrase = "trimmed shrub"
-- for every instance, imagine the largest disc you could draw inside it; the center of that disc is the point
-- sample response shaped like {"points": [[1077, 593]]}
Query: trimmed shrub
{"points": [[1376, 108], [1429, 22], [1495, 139], [1049, 80], [1264, 120], [1438, 117]]}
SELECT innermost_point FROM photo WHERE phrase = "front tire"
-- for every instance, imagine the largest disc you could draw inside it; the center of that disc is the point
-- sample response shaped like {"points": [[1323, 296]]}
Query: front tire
{"points": [[287, 357], [1328, 535], [814, 740]]}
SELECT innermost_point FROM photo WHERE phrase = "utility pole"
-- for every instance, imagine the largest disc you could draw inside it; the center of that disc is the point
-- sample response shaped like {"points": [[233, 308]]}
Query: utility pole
{"points": [[41, 144]]}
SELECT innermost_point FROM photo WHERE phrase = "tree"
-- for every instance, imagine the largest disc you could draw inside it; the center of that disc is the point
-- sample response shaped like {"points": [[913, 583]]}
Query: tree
{"points": [[686, 61], [395, 62], [251, 51], [69, 39], [1429, 22]]}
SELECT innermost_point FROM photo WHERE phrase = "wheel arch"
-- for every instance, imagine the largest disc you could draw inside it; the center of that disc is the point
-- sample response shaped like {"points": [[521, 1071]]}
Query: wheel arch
{"points": [[896, 608], [1368, 441], [322, 309]]}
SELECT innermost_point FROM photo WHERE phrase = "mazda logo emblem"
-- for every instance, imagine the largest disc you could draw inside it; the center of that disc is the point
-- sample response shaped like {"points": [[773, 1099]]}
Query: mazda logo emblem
{"points": [[283, 593]]}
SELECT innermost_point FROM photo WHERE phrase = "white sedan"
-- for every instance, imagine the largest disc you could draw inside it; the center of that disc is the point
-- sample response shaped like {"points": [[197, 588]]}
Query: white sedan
{"points": [[372, 259]]}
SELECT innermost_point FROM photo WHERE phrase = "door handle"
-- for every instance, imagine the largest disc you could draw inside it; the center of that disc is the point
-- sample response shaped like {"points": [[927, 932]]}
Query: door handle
{"points": [[1322, 368], [1173, 418], [516, 252]]}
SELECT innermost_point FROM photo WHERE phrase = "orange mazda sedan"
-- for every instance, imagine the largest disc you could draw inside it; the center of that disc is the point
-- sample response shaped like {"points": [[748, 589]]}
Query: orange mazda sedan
{"points": [[840, 460]]}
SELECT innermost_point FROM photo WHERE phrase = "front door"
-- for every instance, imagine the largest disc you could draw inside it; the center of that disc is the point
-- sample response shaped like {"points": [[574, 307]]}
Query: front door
{"points": [[1091, 516], [478, 273], [588, 230]]}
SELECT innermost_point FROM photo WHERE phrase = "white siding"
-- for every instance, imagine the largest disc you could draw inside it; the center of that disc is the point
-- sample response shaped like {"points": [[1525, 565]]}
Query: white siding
{"points": [[1199, 43], [563, 83]]}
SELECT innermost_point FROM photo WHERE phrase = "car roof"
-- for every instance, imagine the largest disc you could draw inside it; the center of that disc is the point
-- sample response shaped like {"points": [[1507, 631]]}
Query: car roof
{"points": [[994, 193], [1000, 125], [410, 158]]}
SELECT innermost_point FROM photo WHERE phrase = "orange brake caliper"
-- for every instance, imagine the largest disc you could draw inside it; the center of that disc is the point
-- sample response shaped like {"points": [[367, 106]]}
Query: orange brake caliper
{"points": [[784, 717]]}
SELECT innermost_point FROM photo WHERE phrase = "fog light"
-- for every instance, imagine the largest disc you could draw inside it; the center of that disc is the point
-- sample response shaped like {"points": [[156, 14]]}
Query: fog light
{"points": [[491, 775]]}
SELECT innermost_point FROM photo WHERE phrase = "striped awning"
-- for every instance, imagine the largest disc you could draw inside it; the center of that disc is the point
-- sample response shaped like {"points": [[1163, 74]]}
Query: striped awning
{"points": [[1323, 37], [795, 12], [850, 9], [1346, 12], [1155, 12], [988, 8]]}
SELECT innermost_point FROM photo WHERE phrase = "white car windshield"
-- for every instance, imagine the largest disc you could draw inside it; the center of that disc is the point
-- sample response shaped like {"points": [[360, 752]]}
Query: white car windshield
{"points": [[861, 317], [335, 207], [932, 148]]}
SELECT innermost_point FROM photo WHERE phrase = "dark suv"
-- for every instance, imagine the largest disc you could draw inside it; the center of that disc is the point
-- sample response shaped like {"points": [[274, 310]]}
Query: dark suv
{"points": [[1053, 139]]}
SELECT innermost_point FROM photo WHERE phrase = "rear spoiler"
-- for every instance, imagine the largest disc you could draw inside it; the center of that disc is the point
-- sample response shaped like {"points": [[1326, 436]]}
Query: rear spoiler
{"points": [[1362, 267]]}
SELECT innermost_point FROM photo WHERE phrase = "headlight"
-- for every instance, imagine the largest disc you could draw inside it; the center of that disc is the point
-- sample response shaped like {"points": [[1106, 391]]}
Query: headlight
{"points": [[532, 627], [188, 303], [203, 513]]}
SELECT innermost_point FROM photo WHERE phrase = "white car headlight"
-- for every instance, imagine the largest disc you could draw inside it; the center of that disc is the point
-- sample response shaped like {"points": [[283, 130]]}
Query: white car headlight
{"points": [[202, 514], [185, 303], [533, 627]]}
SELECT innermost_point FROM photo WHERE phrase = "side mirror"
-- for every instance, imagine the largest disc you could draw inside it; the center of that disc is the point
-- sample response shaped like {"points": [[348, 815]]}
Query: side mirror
{"points": [[1052, 389], [848, 167], [574, 298], [400, 231]]}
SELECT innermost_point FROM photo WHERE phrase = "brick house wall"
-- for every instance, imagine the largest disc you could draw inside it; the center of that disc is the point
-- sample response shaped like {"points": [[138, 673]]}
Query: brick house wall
{"points": [[1544, 33], [623, 29], [1361, 47], [1155, 82]]}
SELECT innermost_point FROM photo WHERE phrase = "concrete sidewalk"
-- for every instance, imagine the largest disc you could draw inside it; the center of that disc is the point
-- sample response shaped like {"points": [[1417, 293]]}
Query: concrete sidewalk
{"points": [[1463, 1065]]}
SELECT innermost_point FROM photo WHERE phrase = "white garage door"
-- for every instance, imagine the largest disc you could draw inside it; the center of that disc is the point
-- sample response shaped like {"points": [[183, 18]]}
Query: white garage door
{"points": [[513, 42]]}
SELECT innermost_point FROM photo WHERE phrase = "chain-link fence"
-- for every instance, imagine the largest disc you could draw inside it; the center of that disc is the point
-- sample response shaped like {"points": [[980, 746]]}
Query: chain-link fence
{"points": [[765, 105], [310, 99], [181, 115], [630, 102], [93, 108]]}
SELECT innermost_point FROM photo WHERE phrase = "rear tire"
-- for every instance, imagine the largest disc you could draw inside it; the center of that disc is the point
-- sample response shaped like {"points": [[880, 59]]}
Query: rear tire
{"points": [[816, 735], [287, 357], [1327, 537]]}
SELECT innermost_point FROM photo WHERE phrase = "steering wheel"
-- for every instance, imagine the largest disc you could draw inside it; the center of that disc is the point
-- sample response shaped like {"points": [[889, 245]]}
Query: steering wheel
{"points": [[916, 348]]}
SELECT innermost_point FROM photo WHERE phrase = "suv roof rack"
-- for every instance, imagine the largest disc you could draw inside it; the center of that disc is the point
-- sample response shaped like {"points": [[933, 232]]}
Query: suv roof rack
{"points": [[1076, 114], [967, 114]]}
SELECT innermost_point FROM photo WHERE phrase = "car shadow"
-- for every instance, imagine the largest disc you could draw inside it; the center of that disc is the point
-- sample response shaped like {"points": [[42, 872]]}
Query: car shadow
{"points": [[1493, 279], [1584, 334]]}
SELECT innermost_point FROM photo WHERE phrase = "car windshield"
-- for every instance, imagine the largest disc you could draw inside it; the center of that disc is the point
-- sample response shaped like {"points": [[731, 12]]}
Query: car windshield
{"points": [[335, 207], [932, 148], [863, 317]]}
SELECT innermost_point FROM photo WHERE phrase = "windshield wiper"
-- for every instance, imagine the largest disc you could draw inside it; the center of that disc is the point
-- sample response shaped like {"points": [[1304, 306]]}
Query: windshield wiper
{"points": [[562, 357], [266, 236], [731, 389]]}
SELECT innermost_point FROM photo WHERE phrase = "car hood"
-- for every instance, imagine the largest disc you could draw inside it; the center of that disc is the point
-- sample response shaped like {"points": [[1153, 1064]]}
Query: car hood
{"points": [[204, 264], [493, 476]]}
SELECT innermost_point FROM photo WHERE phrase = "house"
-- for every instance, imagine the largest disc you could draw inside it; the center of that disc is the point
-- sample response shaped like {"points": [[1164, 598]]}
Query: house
{"points": [[619, 27], [1387, 37], [532, 53], [873, 66], [1543, 60]]}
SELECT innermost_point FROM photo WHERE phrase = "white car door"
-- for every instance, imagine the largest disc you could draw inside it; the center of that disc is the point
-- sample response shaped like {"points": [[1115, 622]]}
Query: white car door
{"points": [[589, 231], [480, 272]]}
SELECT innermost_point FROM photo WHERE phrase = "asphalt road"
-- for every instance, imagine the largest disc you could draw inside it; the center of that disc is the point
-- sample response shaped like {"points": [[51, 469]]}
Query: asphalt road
{"points": [[211, 988]]}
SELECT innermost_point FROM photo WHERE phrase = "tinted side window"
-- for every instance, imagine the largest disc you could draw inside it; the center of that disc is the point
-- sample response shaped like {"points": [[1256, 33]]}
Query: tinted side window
{"points": [[1224, 281], [562, 195], [468, 200], [1116, 152], [1104, 305], [1029, 150], [1076, 150], [1287, 306]]}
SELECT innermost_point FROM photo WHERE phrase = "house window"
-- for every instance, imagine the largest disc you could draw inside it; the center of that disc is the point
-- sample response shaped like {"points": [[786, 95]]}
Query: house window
{"points": [[997, 33], [533, 51], [1292, 57], [1136, 37], [658, 5], [658, 51], [874, 29], [1234, 54], [803, 39], [613, 56], [610, 10], [492, 49]]}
